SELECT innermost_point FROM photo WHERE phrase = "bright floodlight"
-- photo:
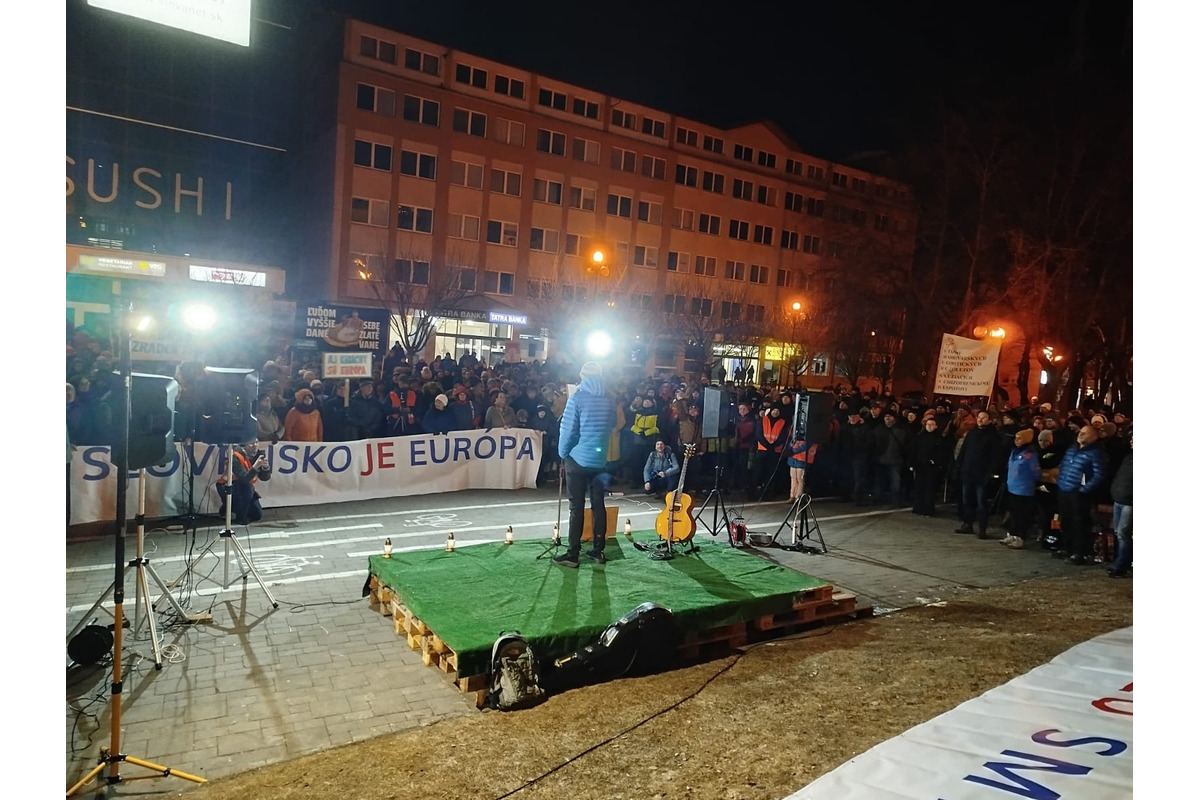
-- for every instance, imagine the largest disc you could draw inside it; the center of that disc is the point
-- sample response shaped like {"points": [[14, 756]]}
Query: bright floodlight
{"points": [[599, 344], [598, 256], [199, 316]]}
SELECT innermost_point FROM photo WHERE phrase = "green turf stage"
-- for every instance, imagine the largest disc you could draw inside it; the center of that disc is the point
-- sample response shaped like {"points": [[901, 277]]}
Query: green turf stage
{"points": [[469, 596]]}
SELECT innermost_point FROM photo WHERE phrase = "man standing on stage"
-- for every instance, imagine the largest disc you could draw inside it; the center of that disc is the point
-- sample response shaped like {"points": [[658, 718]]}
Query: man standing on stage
{"points": [[583, 448]]}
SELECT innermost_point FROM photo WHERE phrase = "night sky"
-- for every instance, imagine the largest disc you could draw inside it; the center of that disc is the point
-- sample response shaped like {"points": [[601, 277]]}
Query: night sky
{"points": [[839, 77]]}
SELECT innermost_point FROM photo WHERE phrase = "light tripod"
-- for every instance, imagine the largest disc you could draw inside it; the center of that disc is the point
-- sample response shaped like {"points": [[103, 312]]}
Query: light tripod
{"points": [[556, 539], [719, 512], [142, 590], [229, 538], [803, 523]]}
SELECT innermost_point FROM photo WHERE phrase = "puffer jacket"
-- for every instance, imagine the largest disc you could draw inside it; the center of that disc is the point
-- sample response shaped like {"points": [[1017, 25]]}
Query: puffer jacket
{"points": [[1083, 469], [1024, 471], [1122, 482], [586, 421]]}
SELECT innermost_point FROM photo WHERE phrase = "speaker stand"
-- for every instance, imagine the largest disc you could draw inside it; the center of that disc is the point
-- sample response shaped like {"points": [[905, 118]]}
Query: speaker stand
{"points": [[803, 523], [719, 511]]}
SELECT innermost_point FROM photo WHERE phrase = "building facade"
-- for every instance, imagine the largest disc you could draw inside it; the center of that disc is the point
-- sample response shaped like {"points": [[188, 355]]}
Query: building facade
{"points": [[714, 244]]}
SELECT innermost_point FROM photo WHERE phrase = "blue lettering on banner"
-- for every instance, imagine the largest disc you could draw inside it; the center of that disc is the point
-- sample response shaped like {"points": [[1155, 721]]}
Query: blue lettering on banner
{"points": [[526, 450], [310, 458], [433, 453], [416, 452], [1027, 787], [287, 454], [165, 470], [339, 450], [480, 442], [89, 458], [1114, 746], [507, 443], [198, 468], [462, 446]]}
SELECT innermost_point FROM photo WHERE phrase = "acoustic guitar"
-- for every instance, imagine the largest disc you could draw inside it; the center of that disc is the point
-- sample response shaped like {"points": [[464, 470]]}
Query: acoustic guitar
{"points": [[675, 523]]}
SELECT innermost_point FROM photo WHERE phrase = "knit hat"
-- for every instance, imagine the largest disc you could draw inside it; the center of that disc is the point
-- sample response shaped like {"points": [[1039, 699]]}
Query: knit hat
{"points": [[303, 394], [1098, 420], [1023, 438], [442, 399], [591, 369]]}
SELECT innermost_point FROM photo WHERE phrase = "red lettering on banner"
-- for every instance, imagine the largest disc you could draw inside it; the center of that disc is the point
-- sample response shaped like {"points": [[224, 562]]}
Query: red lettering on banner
{"points": [[385, 450], [1106, 703], [370, 468]]}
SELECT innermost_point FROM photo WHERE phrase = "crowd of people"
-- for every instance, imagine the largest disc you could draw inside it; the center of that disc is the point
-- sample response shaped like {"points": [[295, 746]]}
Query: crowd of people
{"points": [[1039, 470]]}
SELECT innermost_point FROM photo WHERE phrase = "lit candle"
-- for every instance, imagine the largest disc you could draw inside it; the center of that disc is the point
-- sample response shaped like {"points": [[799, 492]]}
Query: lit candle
{"points": [[557, 538], [628, 528], [450, 542], [387, 547], [508, 535]]}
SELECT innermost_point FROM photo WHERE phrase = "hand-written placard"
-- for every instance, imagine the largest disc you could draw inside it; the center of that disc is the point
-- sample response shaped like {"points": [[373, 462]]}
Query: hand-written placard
{"points": [[966, 366]]}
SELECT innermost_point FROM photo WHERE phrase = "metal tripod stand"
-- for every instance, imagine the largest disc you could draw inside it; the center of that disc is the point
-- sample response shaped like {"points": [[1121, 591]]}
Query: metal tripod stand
{"points": [[719, 512], [227, 535], [556, 539], [803, 523]]}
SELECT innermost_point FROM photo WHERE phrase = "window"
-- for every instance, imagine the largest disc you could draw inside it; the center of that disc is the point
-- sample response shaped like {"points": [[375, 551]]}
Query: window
{"points": [[582, 197], [373, 155], [504, 182], [546, 191], [620, 206], [374, 48], [766, 159], [572, 244], [418, 109], [812, 244], [881, 222], [585, 108], [743, 190], [466, 278], [551, 142], [464, 174], [783, 277], [815, 207], [730, 310], [498, 282], [739, 229], [764, 234], [377, 100], [838, 179], [674, 304], [710, 223], [585, 150], [622, 249], [552, 99], [706, 265], [714, 145], [469, 122], [686, 136], [816, 173], [411, 218], [678, 262], [649, 211], [645, 256], [624, 160], [760, 273], [654, 127], [794, 167], [713, 182], [838, 213], [766, 196], [683, 218], [419, 165], [642, 301], [820, 366], [836, 250], [743, 153], [858, 217], [735, 270], [793, 202], [509, 87], [858, 185], [471, 76], [623, 119], [685, 175], [543, 240], [409, 271], [369, 212], [422, 62], [756, 313], [789, 240], [654, 167], [506, 131], [462, 226], [504, 233], [702, 306]]}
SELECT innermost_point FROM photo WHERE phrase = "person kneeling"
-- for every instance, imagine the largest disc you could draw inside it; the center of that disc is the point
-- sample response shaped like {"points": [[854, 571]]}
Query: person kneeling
{"points": [[661, 473]]}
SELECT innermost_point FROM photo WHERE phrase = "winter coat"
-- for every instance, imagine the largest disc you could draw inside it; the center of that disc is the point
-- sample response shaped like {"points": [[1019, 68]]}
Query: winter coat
{"points": [[860, 440], [982, 454], [464, 414], [689, 433], [303, 426], [364, 417], [891, 445], [586, 422], [436, 421], [270, 427], [930, 449], [801, 454], [1024, 471], [1083, 469], [500, 417], [645, 423], [744, 430], [1122, 482], [333, 420], [656, 462]]}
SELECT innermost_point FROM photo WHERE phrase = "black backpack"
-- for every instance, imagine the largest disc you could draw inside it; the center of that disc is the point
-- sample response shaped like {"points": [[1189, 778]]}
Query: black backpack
{"points": [[514, 683]]}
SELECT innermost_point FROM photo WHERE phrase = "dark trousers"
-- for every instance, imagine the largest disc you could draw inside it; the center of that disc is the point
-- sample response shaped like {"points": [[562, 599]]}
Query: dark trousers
{"points": [[664, 485], [1021, 513], [925, 485], [975, 505], [861, 468], [246, 507], [766, 473], [740, 470], [1075, 513], [581, 482], [887, 477]]}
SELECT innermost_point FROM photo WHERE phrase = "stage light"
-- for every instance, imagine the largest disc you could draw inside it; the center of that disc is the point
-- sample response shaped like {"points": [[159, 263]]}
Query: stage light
{"points": [[599, 344], [144, 323], [199, 316]]}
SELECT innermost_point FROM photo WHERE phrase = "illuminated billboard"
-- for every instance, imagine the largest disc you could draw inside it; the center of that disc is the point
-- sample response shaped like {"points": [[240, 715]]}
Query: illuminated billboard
{"points": [[227, 20]]}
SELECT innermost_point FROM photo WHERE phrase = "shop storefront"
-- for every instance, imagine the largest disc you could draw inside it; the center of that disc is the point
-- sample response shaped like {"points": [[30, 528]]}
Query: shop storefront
{"points": [[492, 335], [735, 357]]}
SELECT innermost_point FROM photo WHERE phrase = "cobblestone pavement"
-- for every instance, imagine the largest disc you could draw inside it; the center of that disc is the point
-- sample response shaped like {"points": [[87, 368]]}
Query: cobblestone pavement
{"points": [[259, 685]]}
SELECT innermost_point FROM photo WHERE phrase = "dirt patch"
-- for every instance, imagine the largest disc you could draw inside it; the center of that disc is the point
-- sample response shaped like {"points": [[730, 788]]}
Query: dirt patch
{"points": [[760, 724]]}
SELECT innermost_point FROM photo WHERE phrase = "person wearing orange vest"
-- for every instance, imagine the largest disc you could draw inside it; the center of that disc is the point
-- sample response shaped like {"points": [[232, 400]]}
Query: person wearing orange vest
{"points": [[249, 467], [401, 408], [771, 435], [801, 456]]}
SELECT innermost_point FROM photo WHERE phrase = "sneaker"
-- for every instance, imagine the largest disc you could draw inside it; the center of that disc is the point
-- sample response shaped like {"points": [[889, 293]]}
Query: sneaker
{"points": [[567, 560], [597, 556], [1016, 543]]}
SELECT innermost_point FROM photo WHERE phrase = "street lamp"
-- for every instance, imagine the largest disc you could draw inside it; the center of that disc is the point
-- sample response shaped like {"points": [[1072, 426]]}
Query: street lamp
{"points": [[598, 265]]}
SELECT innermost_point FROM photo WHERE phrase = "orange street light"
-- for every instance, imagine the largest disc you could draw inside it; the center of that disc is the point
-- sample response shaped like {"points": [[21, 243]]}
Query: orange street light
{"points": [[996, 333], [796, 306]]}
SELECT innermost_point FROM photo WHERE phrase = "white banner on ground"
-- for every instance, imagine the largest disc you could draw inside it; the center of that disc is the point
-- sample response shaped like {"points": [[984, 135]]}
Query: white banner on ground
{"points": [[306, 473], [1065, 729], [966, 366]]}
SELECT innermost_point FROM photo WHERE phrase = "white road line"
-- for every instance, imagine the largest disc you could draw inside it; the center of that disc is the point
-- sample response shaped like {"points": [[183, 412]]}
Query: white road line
{"points": [[377, 514]]}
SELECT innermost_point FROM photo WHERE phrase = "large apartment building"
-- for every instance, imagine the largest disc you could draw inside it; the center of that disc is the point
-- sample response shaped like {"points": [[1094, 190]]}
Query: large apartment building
{"points": [[448, 166]]}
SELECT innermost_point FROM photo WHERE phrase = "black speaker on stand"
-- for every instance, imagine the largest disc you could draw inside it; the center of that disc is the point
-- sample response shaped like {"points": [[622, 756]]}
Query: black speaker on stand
{"points": [[717, 423], [813, 421], [228, 402], [151, 422]]}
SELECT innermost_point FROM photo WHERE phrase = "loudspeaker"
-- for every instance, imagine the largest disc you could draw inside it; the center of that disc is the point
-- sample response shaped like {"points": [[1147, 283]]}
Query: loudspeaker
{"points": [[814, 417], [718, 413], [228, 401], [151, 422]]}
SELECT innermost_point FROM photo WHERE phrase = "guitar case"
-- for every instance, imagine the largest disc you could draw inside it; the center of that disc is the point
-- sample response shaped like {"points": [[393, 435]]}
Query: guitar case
{"points": [[642, 642]]}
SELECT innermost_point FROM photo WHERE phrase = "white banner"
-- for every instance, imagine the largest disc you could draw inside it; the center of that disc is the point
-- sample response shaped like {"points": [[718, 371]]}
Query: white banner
{"points": [[1064, 729], [967, 366], [306, 473]]}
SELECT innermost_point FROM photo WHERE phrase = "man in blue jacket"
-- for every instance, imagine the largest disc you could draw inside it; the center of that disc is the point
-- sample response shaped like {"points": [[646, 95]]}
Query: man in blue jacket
{"points": [[1024, 472], [1081, 475], [583, 447]]}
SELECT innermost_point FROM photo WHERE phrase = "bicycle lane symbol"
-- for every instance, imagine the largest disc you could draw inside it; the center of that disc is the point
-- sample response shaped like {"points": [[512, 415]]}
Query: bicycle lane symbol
{"points": [[279, 565], [436, 521]]}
